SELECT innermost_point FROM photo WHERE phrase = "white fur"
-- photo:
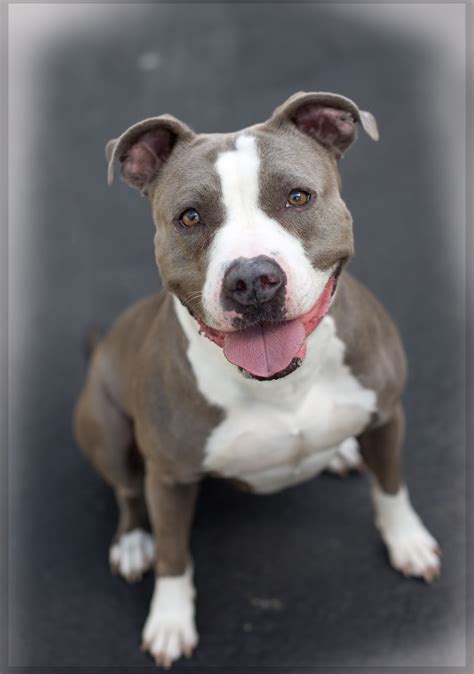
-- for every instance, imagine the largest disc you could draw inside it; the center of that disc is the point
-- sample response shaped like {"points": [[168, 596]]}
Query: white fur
{"points": [[347, 458], [278, 433], [249, 232], [170, 630], [133, 554], [411, 548]]}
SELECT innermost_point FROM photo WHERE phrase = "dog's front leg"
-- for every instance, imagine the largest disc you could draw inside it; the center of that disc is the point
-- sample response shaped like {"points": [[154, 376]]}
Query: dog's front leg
{"points": [[170, 630], [411, 548]]}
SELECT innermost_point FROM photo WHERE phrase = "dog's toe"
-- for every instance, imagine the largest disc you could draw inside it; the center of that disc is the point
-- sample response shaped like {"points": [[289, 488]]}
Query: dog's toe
{"points": [[412, 550], [415, 555], [133, 554], [168, 637], [170, 632]]}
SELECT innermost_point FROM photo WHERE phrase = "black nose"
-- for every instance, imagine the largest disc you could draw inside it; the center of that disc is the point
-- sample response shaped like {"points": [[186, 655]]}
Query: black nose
{"points": [[253, 281]]}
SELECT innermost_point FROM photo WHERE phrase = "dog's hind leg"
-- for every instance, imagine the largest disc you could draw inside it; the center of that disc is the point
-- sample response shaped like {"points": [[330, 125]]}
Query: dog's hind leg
{"points": [[105, 434], [132, 551], [411, 548], [347, 459]]}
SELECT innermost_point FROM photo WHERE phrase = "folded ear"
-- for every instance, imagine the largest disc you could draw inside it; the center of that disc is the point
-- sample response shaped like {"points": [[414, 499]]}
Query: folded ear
{"points": [[328, 118], [143, 148]]}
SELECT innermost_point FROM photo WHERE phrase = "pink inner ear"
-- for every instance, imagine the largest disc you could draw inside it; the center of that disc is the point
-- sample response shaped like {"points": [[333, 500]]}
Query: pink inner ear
{"points": [[332, 127], [143, 159]]}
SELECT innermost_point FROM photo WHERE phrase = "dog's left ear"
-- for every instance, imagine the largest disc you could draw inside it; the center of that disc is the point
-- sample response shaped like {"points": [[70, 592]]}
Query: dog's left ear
{"points": [[328, 118]]}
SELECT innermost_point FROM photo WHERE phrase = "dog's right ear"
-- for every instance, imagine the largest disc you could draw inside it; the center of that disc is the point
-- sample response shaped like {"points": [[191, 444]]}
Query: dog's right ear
{"points": [[143, 148]]}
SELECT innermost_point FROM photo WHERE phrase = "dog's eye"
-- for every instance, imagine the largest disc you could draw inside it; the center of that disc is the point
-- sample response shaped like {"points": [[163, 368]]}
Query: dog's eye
{"points": [[298, 198], [190, 218]]}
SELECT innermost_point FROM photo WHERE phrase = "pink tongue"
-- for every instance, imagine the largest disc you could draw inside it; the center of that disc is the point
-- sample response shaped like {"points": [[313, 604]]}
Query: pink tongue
{"points": [[265, 349]]}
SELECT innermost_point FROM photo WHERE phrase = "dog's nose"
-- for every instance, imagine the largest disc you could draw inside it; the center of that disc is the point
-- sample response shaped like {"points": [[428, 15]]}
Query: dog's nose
{"points": [[253, 281]]}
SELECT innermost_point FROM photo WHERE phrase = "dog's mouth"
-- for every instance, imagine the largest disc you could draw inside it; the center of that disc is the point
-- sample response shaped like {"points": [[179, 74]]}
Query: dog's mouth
{"points": [[272, 350]]}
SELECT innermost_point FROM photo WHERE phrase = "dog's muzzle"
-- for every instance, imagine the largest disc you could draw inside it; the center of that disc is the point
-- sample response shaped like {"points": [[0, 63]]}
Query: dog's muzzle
{"points": [[266, 349]]}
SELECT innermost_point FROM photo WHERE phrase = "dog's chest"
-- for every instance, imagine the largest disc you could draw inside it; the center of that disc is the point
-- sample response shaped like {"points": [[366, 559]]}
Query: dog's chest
{"points": [[282, 432]]}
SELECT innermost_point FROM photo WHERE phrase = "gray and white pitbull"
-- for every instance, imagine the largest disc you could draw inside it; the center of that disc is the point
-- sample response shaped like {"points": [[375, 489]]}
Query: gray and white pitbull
{"points": [[262, 360]]}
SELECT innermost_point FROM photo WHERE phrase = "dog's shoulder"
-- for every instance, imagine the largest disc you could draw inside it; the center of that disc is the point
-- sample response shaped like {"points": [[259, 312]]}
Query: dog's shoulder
{"points": [[172, 418], [374, 350], [147, 345], [127, 335]]}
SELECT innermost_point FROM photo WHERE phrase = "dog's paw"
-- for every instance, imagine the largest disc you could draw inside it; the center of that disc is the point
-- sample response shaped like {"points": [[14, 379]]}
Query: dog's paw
{"points": [[412, 550], [346, 459], [170, 631], [132, 555]]}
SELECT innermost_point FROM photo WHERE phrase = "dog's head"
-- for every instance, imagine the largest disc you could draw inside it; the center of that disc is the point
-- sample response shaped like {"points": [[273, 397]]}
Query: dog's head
{"points": [[251, 229]]}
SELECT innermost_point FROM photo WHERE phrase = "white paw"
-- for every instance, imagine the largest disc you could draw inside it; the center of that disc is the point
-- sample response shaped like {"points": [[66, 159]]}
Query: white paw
{"points": [[170, 631], [133, 554], [346, 459], [412, 550]]}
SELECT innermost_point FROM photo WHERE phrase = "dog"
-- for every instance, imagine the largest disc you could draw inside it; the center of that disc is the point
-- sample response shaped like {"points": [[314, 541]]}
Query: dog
{"points": [[262, 360]]}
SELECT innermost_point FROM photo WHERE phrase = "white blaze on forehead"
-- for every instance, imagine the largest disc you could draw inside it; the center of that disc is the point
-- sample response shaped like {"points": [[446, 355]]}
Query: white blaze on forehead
{"points": [[249, 232], [239, 174]]}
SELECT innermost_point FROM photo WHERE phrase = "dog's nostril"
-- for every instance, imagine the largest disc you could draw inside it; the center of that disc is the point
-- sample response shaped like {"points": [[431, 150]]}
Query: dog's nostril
{"points": [[268, 281], [240, 286]]}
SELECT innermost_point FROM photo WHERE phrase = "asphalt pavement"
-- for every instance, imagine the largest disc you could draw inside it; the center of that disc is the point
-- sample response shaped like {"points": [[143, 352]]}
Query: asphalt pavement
{"points": [[296, 579]]}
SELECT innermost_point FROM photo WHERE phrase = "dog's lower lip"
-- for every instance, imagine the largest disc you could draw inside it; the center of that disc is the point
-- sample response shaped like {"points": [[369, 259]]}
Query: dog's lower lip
{"points": [[294, 365]]}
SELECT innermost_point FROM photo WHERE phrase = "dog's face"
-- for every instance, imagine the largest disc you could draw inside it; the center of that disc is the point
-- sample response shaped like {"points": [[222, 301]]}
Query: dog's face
{"points": [[251, 229]]}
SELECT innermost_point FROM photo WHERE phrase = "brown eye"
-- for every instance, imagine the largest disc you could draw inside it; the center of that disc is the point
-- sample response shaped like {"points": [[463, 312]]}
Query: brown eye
{"points": [[298, 198], [190, 217]]}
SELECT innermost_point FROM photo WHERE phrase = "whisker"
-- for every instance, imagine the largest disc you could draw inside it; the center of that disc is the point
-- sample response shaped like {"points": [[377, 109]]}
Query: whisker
{"points": [[192, 296]]}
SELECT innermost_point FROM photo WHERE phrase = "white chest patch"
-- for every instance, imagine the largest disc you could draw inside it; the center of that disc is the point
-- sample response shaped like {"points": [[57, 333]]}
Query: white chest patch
{"points": [[278, 433]]}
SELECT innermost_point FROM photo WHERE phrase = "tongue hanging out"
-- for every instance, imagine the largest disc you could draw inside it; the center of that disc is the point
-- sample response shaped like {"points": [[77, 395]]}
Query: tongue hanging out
{"points": [[265, 349]]}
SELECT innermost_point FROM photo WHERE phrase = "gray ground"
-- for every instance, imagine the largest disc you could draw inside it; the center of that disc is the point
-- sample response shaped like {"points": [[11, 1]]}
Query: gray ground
{"points": [[290, 580]]}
